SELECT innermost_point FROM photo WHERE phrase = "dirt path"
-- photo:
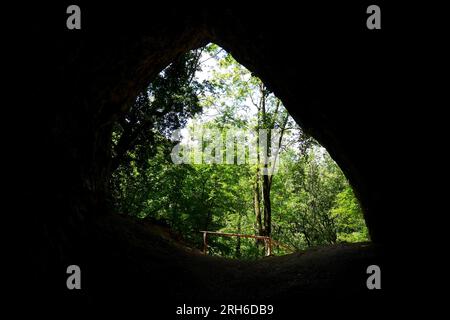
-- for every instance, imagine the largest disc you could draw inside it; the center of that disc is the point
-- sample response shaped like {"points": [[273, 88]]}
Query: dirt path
{"points": [[131, 260]]}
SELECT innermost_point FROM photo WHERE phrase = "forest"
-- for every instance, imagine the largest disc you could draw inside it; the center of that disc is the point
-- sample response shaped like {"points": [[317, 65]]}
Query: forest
{"points": [[290, 190]]}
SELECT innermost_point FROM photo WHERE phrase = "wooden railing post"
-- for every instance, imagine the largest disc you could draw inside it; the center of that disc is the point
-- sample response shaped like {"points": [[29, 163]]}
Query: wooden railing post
{"points": [[267, 240], [270, 247], [205, 242]]}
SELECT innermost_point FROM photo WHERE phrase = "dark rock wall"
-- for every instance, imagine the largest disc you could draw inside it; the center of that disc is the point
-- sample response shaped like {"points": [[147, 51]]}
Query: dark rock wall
{"points": [[338, 80]]}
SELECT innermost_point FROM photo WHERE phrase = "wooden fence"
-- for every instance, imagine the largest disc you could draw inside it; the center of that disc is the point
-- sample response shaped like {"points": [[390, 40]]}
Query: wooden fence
{"points": [[268, 241]]}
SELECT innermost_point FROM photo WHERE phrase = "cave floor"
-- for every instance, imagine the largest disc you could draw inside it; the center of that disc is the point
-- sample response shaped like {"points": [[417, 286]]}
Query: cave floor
{"points": [[130, 259]]}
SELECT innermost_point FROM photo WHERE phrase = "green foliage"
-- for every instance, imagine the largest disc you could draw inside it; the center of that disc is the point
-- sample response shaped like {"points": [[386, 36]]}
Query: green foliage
{"points": [[166, 105], [349, 222], [312, 202]]}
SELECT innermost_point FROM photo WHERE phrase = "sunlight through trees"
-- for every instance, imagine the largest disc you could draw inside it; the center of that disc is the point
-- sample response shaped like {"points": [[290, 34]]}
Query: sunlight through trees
{"points": [[306, 202]]}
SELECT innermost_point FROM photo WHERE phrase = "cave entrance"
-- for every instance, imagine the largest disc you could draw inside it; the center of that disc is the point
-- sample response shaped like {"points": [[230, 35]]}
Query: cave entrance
{"points": [[207, 146]]}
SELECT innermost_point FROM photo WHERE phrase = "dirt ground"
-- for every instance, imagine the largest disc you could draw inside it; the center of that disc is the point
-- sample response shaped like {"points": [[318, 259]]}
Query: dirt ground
{"points": [[132, 264], [143, 256]]}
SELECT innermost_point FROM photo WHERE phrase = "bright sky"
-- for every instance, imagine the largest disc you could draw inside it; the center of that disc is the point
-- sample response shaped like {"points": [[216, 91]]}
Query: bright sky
{"points": [[208, 65]]}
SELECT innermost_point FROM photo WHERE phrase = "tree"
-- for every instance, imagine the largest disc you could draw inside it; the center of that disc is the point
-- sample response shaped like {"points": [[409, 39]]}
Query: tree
{"points": [[307, 202], [165, 105]]}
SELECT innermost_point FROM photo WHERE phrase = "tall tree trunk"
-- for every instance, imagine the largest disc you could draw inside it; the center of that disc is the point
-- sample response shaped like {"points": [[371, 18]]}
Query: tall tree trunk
{"points": [[256, 189], [238, 243], [257, 204], [265, 179], [267, 206]]}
